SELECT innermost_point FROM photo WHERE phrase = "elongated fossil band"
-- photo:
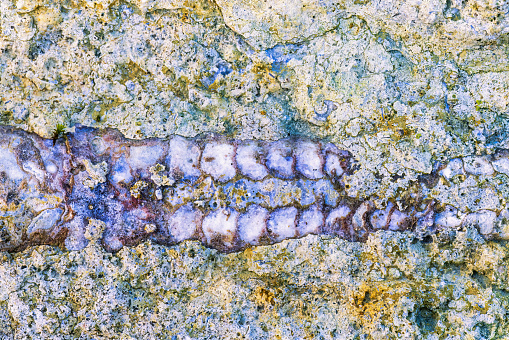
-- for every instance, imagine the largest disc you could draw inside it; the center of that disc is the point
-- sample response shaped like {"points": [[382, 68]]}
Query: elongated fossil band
{"points": [[228, 194]]}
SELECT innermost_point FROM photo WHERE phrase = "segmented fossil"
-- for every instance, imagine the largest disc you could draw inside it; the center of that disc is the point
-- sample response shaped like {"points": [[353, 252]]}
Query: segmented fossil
{"points": [[229, 194]]}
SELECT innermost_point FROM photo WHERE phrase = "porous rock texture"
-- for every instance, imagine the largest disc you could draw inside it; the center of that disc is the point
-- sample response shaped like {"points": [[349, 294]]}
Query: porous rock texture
{"points": [[409, 88]]}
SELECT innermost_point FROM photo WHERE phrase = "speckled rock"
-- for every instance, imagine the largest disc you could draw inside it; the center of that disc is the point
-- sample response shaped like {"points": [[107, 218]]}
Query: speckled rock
{"points": [[404, 86], [390, 287]]}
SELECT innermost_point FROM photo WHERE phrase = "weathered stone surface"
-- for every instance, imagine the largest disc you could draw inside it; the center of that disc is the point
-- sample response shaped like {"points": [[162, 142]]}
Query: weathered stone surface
{"points": [[390, 287], [402, 85]]}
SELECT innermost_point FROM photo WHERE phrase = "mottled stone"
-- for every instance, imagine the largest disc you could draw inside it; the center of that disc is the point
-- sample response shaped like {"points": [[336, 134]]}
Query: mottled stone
{"points": [[403, 86]]}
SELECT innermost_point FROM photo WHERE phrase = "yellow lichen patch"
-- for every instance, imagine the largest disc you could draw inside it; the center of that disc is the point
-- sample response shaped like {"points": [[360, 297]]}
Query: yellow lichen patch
{"points": [[8, 232], [47, 17], [150, 228], [267, 79], [130, 71], [237, 194], [252, 254], [263, 297], [285, 198], [137, 188], [399, 126], [376, 300], [49, 202], [160, 179]]}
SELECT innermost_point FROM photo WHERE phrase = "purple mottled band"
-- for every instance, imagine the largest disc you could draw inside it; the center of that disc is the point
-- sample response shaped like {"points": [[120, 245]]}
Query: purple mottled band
{"points": [[228, 194]]}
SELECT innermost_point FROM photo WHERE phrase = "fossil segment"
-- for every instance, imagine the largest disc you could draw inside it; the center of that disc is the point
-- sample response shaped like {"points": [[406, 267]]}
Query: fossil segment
{"points": [[228, 194]]}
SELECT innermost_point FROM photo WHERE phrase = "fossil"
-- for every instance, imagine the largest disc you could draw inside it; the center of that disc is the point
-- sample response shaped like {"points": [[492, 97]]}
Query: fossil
{"points": [[228, 194]]}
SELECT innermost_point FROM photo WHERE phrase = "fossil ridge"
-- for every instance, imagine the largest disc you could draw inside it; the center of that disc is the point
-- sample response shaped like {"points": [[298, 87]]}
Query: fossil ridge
{"points": [[229, 194]]}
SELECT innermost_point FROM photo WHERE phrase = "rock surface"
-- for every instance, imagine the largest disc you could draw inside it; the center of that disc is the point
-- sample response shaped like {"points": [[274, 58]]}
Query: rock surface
{"points": [[315, 287], [401, 85]]}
